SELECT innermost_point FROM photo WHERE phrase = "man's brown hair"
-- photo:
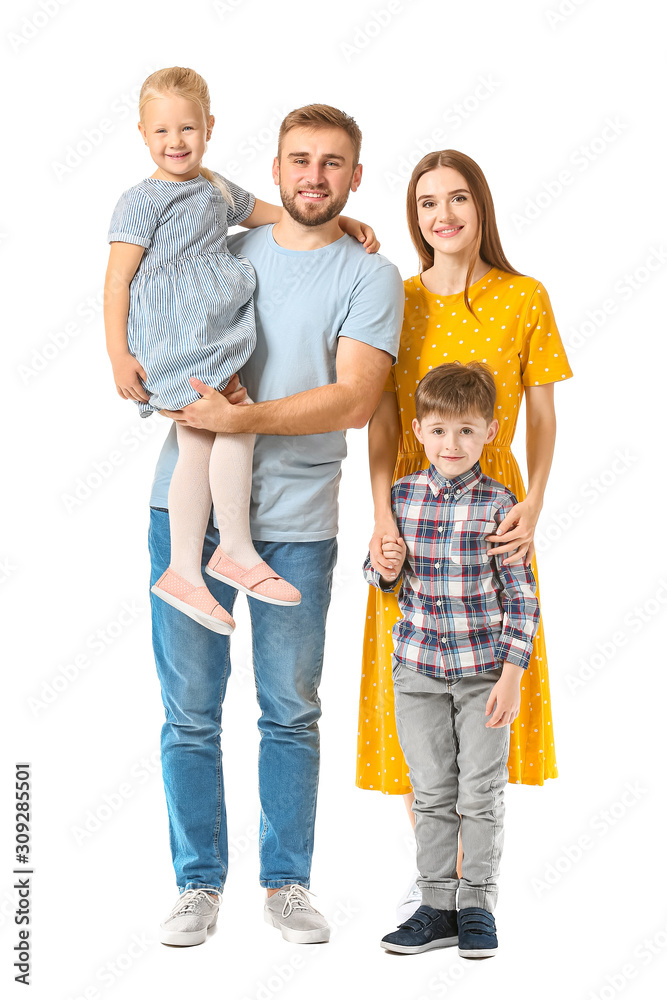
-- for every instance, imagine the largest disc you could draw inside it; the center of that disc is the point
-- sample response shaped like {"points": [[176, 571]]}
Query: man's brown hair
{"points": [[316, 116], [456, 390]]}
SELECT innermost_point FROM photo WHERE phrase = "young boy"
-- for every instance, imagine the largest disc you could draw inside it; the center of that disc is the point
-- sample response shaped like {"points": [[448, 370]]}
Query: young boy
{"points": [[459, 654]]}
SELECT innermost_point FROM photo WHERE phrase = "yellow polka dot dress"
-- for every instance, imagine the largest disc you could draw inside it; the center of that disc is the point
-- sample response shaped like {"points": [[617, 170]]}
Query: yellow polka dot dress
{"points": [[513, 330]]}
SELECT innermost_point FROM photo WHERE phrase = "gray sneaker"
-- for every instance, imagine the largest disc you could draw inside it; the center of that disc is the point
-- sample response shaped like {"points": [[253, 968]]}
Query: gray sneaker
{"points": [[189, 921], [290, 910]]}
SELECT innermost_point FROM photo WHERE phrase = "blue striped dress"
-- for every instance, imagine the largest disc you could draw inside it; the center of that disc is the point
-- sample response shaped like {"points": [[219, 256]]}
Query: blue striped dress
{"points": [[191, 309]]}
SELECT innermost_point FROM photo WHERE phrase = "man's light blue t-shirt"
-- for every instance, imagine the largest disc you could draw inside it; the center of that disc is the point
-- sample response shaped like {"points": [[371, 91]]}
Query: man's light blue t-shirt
{"points": [[304, 301]]}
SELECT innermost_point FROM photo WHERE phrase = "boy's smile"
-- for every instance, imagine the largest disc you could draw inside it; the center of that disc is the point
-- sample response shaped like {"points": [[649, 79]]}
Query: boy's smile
{"points": [[454, 443]]}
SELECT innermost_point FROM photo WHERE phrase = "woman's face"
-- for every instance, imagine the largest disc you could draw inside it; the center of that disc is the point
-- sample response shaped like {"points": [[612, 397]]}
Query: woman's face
{"points": [[446, 212]]}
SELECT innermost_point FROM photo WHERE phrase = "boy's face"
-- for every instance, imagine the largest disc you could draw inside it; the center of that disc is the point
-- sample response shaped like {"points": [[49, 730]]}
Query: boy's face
{"points": [[454, 444]]}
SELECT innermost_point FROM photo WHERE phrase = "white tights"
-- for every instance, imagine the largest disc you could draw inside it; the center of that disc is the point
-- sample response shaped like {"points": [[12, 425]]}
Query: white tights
{"points": [[215, 467]]}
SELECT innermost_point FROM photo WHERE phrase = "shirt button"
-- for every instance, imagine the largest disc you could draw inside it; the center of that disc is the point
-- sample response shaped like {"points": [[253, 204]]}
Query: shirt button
{"points": [[439, 529], [438, 603], [446, 495], [458, 491], [437, 565]]}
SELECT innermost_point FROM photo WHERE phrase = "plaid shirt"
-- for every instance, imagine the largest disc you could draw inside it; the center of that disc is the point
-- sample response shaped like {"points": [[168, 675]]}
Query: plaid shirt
{"points": [[463, 611]]}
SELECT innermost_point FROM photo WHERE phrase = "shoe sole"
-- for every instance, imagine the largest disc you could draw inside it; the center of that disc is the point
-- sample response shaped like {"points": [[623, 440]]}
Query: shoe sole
{"points": [[250, 593], [477, 952], [212, 624], [316, 936], [185, 939], [416, 949]]}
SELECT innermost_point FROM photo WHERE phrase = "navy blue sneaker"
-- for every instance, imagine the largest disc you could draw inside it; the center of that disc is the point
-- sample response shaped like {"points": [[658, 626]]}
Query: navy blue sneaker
{"points": [[477, 933], [427, 928]]}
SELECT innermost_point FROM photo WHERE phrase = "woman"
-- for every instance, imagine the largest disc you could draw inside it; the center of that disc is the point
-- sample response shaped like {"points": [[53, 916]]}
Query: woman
{"points": [[468, 303]]}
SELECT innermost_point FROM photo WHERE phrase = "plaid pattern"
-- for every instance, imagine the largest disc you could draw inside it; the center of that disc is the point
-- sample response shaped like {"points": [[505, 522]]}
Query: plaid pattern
{"points": [[463, 611]]}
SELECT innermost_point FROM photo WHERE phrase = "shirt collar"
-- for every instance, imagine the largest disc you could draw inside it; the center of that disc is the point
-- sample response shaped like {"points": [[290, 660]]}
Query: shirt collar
{"points": [[460, 484]]}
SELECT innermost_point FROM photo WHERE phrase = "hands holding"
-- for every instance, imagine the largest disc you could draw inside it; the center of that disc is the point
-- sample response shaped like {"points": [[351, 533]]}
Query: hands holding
{"points": [[213, 411], [387, 549]]}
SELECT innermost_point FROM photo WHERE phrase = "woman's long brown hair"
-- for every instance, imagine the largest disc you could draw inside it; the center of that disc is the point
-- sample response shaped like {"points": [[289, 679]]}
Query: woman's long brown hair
{"points": [[487, 244]]}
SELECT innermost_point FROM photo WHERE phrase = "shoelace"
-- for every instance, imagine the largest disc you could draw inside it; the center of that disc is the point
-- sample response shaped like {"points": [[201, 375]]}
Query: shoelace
{"points": [[296, 898], [189, 901]]}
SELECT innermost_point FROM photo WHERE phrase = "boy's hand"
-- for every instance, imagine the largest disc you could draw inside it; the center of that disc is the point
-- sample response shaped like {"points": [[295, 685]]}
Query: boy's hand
{"points": [[127, 373], [360, 231], [393, 553], [505, 696]]}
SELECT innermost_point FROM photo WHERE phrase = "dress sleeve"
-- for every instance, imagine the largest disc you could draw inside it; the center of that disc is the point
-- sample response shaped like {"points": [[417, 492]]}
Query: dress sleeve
{"points": [[134, 220], [543, 358], [243, 203]]}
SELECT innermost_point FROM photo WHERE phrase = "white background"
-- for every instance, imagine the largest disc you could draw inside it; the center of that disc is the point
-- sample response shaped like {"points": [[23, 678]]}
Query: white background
{"points": [[529, 93]]}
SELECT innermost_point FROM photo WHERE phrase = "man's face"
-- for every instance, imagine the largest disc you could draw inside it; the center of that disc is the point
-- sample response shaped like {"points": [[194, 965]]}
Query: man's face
{"points": [[315, 173]]}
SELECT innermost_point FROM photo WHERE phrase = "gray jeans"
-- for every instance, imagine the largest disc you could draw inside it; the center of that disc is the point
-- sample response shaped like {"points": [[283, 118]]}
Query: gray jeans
{"points": [[458, 770]]}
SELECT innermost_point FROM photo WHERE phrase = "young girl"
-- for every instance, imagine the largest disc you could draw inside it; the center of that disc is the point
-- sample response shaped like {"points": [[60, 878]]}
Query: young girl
{"points": [[179, 305]]}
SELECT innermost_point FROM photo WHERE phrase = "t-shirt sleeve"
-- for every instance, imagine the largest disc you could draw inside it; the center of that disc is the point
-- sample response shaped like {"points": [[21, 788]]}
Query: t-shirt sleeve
{"points": [[134, 219], [375, 316], [244, 202], [543, 358]]}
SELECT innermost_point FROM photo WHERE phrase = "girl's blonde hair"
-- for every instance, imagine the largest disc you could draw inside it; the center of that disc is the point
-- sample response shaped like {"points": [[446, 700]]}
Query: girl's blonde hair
{"points": [[487, 244], [185, 83]]}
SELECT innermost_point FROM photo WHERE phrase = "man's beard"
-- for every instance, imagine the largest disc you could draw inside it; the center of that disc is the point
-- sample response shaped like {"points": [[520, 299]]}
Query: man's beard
{"points": [[319, 214]]}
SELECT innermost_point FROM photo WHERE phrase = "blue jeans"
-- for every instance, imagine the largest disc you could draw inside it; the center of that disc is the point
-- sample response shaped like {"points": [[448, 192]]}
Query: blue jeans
{"points": [[193, 667]]}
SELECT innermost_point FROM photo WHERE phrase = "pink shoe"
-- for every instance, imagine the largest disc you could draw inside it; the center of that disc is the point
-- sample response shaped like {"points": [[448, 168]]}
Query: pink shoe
{"points": [[260, 581], [197, 603]]}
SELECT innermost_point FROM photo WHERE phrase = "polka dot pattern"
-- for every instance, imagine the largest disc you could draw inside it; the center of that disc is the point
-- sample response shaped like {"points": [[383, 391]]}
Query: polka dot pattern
{"points": [[524, 351]]}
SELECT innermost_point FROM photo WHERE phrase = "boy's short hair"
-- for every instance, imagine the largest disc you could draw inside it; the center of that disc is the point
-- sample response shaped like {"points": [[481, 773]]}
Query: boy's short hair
{"points": [[456, 390], [316, 116]]}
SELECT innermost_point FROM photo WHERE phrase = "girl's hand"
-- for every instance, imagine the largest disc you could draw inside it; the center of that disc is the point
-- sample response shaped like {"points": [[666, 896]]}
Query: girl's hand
{"points": [[361, 231], [385, 529], [505, 696], [393, 552], [517, 529], [127, 373]]}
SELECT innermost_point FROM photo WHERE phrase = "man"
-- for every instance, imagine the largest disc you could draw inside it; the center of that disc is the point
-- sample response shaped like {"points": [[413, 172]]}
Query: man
{"points": [[328, 320]]}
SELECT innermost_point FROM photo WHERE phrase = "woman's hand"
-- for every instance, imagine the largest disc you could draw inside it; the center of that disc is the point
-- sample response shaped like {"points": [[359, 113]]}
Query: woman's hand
{"points": [[516, 531], [360, 231], [127, 374], [505, 696], [385, 530]]}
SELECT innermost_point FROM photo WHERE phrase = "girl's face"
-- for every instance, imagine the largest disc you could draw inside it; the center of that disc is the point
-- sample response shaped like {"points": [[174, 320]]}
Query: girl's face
{"points": [[176, 133], [446, 212]]}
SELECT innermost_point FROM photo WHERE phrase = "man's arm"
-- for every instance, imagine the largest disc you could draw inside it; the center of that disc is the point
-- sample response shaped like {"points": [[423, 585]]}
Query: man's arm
{"points": [[361, 372]]}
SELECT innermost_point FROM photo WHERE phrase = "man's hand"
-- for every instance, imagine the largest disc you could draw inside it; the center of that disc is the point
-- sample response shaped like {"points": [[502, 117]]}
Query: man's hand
{"points": [[506, 696], [214, 411], [393, 554], [127, 374]]}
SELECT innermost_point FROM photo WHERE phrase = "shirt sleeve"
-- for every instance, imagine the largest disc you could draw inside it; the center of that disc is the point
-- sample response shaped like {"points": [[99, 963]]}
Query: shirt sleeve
{"points": [[375, 316], [373, 577], [521, 609], [543, 358], [134, 219], [243, 203]]}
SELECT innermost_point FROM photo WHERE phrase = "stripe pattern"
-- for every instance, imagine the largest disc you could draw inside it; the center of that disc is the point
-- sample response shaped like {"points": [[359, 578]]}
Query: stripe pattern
{"points": [[191, 309], [464, 612]]}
